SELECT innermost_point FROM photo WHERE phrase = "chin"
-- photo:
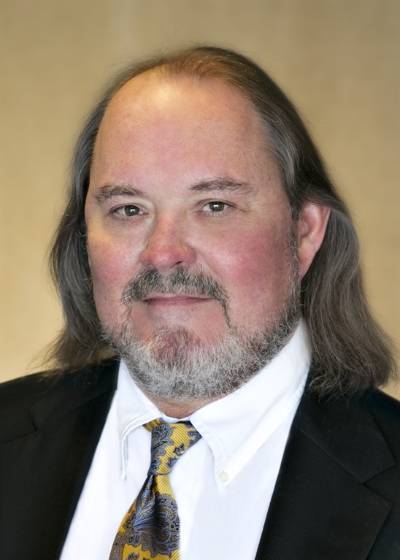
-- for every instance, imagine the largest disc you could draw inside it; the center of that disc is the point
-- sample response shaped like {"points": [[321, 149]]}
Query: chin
{"points": [[172, 345]]}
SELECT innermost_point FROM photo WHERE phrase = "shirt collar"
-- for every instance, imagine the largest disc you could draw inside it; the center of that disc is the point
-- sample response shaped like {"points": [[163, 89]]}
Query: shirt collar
{"points": [[235, 426], [133, 410]]}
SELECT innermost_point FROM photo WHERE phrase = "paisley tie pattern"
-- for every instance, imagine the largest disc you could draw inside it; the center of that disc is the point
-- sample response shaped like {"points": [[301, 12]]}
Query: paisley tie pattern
{"points": [[150, 529]]}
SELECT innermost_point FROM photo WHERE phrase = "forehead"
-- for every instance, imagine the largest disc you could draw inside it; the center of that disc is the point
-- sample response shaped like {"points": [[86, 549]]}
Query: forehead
{"points": [[155, 120], [162, 96]]}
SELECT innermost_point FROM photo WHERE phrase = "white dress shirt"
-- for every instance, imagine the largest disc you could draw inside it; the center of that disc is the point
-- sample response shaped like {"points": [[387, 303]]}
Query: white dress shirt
{"points": [[223, 484]]}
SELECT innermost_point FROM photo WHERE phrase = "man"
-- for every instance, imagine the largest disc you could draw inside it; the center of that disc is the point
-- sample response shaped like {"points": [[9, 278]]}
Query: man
{"points": [[204, 244]]}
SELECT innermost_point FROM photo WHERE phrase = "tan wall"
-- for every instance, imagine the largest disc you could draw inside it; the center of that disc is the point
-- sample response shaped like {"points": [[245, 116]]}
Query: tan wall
{"points": [[338, 59]]}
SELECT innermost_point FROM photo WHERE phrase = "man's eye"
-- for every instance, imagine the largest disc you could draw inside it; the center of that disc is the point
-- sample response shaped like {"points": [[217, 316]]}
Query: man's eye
{"points": [[215, 207], [127, 211]]}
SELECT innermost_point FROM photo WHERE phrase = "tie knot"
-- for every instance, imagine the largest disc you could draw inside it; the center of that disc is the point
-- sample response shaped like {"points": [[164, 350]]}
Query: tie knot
{"points": [[168, 443]]}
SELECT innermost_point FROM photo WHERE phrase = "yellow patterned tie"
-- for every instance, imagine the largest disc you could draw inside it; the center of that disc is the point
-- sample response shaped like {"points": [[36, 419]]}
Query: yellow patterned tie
{"points": [[150, 529]]}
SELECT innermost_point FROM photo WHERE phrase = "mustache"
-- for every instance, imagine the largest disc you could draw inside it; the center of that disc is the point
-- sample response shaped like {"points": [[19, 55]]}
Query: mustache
{"points": [[179, 282]]}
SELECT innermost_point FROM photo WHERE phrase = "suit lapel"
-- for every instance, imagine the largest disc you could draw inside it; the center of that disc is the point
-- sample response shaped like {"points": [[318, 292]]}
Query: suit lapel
{"points": [[45, 467], [322, 507]]}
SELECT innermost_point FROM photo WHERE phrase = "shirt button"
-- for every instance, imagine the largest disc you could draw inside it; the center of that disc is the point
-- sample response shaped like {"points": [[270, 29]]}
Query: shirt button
{"points": [[223, 476]]}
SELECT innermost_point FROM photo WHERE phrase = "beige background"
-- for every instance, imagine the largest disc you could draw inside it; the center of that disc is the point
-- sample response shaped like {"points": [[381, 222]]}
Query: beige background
{"points": [[337, 59]]}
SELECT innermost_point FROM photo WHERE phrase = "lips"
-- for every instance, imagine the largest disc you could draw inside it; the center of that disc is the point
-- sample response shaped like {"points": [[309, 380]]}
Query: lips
{"points": [[174, 299]]}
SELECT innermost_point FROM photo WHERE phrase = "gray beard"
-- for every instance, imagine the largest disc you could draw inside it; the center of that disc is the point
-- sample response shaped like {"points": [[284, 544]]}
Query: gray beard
{"points": [[176, 365]]}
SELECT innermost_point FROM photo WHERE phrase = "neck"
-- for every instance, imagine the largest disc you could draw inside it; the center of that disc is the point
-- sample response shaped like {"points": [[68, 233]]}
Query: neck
{"points": [[178, 408]]}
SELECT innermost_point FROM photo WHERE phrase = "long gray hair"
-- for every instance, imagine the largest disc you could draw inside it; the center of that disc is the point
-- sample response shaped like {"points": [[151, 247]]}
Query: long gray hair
{"points": [[350, 351]]}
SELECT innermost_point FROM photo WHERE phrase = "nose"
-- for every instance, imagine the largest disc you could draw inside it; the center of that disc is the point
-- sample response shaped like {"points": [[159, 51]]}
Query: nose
{"points": [[167, 246]]}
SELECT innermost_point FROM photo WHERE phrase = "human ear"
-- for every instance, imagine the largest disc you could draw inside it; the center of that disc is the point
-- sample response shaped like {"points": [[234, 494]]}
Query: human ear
{"points": [[311, 227]]}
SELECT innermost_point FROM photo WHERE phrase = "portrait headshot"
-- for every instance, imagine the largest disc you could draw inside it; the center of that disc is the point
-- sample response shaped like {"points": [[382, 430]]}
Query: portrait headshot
{"points": [[214, 374]]}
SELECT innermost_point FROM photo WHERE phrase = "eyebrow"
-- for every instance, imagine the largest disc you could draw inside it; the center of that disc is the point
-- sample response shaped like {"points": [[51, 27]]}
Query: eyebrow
{"points": [[108, 191], [220, 184], [208, 185]]}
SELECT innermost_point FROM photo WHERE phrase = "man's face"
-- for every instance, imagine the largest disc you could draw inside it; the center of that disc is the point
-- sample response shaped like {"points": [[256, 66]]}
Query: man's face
{"points": [[183, 180]]}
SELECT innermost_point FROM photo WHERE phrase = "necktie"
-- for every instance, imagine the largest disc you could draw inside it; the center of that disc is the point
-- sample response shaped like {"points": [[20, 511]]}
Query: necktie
{"points": [[150, 529]]}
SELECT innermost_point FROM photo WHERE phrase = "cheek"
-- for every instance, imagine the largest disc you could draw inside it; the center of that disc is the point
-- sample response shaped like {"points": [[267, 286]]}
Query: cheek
{"points": [[111, 267], [256, 257], [254, 271]]}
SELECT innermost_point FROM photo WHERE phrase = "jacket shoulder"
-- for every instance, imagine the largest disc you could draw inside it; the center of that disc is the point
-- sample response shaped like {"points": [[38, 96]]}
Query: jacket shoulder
{"points": [[29, 388], [24, 391], [386, 412], [383, 403], [51, 393]]}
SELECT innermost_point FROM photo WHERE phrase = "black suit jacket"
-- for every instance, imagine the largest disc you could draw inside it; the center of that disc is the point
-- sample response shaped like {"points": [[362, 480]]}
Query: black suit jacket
{"points": [[337, 496]]}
